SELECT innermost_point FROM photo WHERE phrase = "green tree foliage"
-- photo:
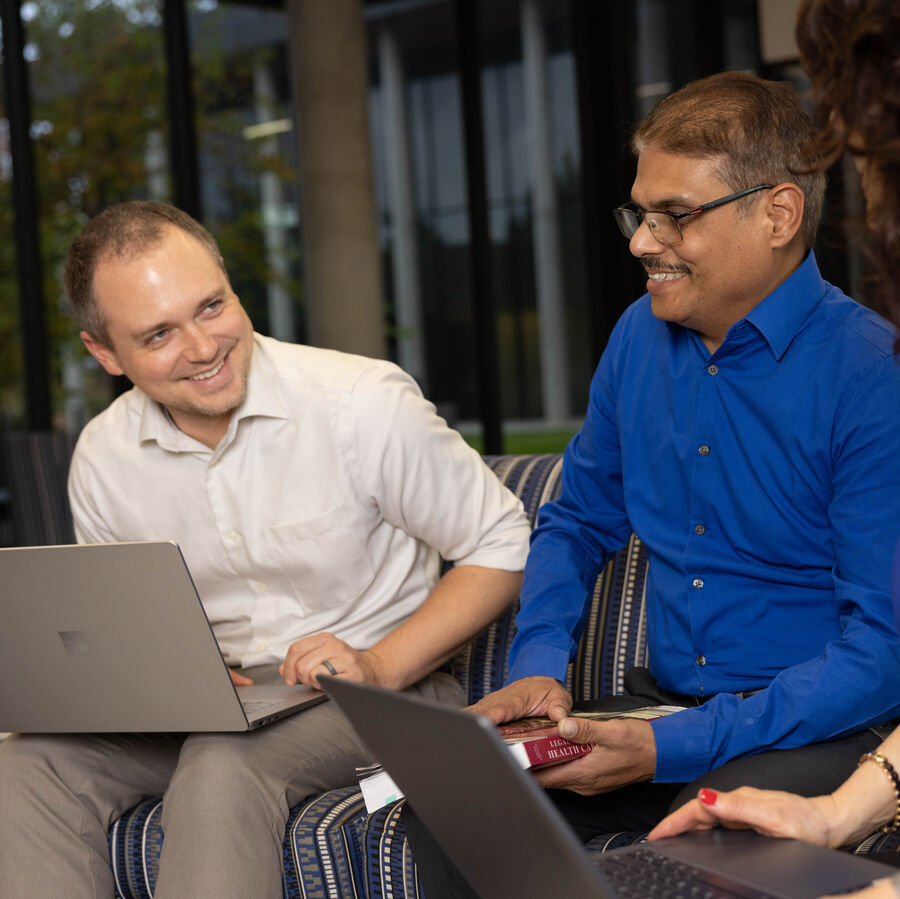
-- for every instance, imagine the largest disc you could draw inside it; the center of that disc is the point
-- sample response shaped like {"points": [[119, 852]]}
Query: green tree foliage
{"points": [[100, 135]]}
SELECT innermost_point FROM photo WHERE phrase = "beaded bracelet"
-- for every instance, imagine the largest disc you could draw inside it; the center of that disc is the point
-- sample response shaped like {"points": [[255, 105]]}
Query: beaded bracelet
{"points": [[888, 769]]}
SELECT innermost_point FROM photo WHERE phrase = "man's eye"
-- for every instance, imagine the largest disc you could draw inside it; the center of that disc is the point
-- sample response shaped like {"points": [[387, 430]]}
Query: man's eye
{"points": [[158, 337], [214, 306]]}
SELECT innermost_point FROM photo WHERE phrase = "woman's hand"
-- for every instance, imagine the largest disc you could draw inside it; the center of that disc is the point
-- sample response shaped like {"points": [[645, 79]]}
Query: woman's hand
{"points": [[770, 812]]}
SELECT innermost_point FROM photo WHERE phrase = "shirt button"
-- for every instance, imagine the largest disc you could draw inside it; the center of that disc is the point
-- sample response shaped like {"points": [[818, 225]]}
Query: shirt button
{"points": [[713, 369], [703, 450], [699, 529], [697, 583], [701, 660], [259, 587], [262, 646], [233, 536]]}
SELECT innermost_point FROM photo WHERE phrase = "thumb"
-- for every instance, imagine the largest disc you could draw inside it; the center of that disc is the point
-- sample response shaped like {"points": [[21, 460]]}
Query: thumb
{"points": [[576, 730], [239, 680]]}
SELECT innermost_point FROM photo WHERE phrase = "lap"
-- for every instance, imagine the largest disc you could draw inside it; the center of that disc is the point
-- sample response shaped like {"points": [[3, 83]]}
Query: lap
{"points": [[313, 750], [314, 735]]}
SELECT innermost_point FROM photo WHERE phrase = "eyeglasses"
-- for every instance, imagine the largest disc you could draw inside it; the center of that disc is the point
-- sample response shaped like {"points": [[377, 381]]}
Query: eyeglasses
{"points": [[665, 226]]}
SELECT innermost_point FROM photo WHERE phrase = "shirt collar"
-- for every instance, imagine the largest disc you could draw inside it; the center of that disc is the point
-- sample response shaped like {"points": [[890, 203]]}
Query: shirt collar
{"points": [[782, 313], [263, 399]]}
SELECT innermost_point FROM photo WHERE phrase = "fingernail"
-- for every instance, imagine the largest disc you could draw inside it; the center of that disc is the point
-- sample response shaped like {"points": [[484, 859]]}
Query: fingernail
{"points": [[708, 796], [568, 728]]}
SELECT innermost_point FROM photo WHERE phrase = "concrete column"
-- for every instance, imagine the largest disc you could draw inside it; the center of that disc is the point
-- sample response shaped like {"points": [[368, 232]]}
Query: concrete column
{"points": [[342, 277], [545, 220], [404, 243]]}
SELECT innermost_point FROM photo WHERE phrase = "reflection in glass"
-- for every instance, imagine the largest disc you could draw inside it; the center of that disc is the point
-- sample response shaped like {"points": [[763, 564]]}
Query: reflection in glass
{"points": [[246, 145], [533, 183]]}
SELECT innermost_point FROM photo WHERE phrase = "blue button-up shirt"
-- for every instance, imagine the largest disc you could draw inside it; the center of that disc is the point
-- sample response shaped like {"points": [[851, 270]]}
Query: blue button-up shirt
{"points": [[765, 481]]}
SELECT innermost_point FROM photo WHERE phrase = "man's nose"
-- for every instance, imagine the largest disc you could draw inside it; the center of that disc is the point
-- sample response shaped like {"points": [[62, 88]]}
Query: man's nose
{"points": [[201, 347], [644, 242]]}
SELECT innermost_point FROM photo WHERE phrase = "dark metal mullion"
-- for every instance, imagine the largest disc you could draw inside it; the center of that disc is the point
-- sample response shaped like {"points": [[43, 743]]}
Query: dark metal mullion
{"points": [[180, 92], [27, 234], [485, 315], [603, 37], [696, 38]]}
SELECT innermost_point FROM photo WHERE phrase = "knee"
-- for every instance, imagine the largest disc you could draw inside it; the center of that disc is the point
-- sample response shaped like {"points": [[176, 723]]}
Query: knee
{"points": [[24, 763], [215, 772], [32, 783]]}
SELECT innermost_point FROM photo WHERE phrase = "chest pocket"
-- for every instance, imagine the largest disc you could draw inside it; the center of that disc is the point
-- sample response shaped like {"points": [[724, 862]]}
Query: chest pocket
{"points": [[323, 558]]}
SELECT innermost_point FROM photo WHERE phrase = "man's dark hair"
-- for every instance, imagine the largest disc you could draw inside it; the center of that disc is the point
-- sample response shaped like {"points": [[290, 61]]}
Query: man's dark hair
{"points": [[123, 232], [758, 130]]}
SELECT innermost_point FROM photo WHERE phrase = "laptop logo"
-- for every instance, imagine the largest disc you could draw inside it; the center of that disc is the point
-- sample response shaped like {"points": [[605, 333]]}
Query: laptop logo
{"points": [[75, 642]]}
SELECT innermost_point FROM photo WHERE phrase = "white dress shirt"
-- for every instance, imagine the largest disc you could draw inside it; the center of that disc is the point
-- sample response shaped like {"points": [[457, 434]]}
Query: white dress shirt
{"points": [[324, 507]]}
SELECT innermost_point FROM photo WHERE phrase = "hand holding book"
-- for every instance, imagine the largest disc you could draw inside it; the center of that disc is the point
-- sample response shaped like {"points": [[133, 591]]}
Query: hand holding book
{"points": [[534, 742], [624, 753]]}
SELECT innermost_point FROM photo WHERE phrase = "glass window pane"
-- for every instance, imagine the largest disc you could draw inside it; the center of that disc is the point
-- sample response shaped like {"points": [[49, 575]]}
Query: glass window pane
{"points": [[246, 144], [421, 194], [12, 386], [533, 188], [99, 123]]}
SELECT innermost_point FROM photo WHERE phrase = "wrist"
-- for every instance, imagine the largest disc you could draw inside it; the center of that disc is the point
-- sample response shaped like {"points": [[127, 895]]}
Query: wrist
{"points": [[378, 672], [861, 805], [842, 819], [890, 815]]}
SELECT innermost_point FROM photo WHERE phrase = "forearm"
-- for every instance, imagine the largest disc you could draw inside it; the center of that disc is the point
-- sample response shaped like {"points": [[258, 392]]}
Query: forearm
{"points": [[850, 686], [559, 576], [465, 601]]}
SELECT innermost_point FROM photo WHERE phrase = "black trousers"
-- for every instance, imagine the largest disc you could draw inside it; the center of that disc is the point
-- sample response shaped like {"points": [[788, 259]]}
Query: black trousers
{"points": [[808, 770]]}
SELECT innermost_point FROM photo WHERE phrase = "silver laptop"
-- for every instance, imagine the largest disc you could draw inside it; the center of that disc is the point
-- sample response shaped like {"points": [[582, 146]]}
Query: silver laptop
{"points": [[507, 839], [105, 638]]}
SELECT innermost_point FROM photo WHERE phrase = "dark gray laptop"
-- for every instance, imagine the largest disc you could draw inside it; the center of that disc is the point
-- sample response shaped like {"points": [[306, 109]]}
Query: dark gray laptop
{"points": [[507, 838], [103, 638]]}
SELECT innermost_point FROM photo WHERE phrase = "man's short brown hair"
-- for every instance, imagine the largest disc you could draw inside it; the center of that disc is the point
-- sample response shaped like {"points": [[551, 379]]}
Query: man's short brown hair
{"points": [[758, 129], [123, 231]]}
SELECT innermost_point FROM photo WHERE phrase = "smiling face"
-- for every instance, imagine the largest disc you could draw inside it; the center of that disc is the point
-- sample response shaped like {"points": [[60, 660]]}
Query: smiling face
{"points": [[730, 258], [177, 330]]}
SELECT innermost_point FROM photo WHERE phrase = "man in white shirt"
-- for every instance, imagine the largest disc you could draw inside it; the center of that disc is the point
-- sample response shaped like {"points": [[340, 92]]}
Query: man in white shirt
{"points": [[312, 493]]}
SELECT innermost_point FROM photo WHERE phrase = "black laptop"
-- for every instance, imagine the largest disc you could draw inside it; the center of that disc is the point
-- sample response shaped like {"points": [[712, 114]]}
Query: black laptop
{"points": [[506, 837]]}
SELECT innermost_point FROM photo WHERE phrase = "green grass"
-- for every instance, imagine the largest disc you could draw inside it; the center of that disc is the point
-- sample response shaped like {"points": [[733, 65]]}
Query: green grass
{"points": [[536, 442]]}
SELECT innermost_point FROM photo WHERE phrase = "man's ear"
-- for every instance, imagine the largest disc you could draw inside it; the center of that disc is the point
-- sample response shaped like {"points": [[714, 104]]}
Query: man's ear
{"points": [[102, 353], [784, 207]]}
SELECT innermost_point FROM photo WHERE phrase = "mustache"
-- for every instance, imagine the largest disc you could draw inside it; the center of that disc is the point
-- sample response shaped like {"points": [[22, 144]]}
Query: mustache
{"points": [[653, 264]]}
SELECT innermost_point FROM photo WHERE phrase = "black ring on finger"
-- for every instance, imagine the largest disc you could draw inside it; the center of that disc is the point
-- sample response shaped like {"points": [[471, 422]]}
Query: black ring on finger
{"points": [[330, 668]]}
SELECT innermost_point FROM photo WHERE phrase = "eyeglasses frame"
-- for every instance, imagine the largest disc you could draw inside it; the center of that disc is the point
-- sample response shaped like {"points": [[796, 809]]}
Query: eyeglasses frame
{"points": [[677, 216]]}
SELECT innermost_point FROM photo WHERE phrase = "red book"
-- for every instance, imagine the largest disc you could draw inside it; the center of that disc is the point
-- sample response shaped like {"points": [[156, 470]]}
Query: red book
{"points": [[539, 748]]}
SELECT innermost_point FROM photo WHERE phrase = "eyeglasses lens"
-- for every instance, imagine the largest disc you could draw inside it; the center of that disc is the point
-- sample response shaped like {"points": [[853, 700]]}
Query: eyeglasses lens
{"points": [[663, 227]]}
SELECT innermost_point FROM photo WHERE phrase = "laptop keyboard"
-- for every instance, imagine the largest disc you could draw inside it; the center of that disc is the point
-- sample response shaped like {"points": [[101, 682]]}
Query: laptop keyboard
{"points": [[647, 873]]}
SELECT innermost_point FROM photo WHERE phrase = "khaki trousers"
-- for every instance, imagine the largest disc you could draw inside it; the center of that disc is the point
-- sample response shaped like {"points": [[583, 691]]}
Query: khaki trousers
{"points": [[226, 800]]}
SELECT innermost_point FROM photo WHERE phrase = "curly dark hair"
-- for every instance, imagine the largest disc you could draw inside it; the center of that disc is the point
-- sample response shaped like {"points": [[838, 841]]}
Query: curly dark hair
{"points": [[851, 51]]}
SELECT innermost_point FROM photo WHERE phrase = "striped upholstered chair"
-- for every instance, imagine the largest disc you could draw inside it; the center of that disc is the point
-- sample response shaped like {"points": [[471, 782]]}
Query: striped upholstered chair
{"points": [[332, 848], [36, 467]]}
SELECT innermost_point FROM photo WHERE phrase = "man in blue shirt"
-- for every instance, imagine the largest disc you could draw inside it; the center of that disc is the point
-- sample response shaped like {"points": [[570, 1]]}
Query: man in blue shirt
{"points": [[744, 421]]}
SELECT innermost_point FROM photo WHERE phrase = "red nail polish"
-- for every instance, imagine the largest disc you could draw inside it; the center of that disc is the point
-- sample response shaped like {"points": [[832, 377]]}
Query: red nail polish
{"points": [[708, 796]]}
